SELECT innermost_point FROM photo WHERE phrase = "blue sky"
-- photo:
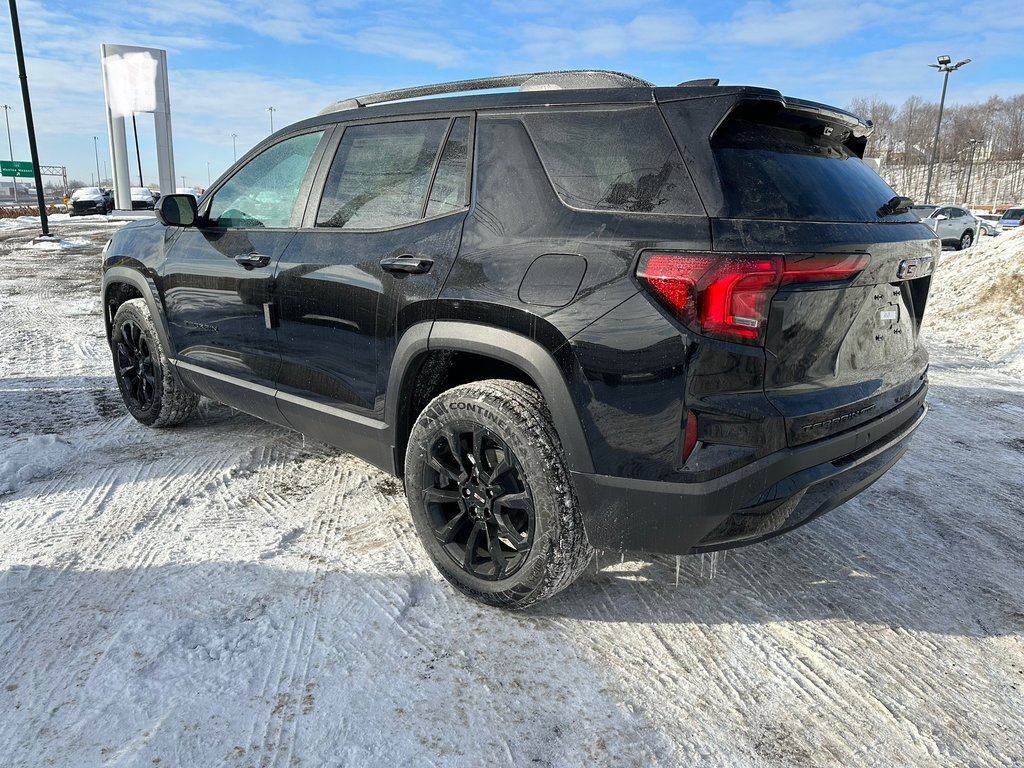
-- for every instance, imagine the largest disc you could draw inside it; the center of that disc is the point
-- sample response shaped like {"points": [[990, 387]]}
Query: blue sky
{"points": [[231, 59]]}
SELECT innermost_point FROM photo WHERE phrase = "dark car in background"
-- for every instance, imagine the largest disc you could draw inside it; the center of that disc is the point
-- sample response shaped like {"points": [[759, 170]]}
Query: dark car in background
{"points": [[86, 201], [593, 313]]}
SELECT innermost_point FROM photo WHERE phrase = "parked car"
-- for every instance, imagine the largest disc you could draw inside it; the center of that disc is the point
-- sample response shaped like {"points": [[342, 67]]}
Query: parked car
{"points": [[196, 192], [954, 225], [90, 200], [558, 331], [143, 199], [988, 223], [1014, 217]]}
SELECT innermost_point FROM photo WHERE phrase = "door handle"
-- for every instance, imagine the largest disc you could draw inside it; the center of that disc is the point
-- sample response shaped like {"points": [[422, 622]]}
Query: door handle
{"points": [[406, 265], [250, 260]]}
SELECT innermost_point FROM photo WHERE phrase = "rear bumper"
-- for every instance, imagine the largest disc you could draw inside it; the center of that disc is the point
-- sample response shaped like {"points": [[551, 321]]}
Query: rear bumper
{"points": [[770, 496]]}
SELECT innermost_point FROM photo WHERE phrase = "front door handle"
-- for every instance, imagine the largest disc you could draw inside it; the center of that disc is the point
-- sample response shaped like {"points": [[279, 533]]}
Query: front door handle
{"points": [[250, 260], [406, 265]]}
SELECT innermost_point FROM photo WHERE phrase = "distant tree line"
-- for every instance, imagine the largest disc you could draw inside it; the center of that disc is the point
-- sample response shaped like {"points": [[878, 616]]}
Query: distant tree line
{"points": [[994, 164]]}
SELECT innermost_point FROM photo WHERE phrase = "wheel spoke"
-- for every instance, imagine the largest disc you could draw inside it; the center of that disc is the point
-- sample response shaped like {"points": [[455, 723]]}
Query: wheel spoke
{"points": [[456, 451], [476, 455], [502, 467], [514, 501], [440, 495], [442, 468], [515, 539], [471, 544], [494, 549], [447, 533]]}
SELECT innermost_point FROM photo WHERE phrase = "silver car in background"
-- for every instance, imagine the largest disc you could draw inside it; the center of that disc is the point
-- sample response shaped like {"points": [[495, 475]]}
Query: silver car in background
{"points": [[954, 225]]}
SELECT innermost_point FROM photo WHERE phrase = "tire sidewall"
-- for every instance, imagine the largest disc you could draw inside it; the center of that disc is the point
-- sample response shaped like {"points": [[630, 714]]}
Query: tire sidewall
{"points": [[461, 411]]}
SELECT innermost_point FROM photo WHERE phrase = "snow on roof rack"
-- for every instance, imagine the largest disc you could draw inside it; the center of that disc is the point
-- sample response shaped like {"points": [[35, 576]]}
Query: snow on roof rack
{"points": [[532, 81]]}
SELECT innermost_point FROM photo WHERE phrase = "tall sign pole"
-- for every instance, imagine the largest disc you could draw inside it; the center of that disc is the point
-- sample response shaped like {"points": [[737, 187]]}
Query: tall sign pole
{"points": [[20, 53], [7, 108]]}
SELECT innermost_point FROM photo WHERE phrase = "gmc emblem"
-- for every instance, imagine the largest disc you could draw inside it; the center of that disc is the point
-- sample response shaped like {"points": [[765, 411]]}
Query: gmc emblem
{"points": [[911, 268]]}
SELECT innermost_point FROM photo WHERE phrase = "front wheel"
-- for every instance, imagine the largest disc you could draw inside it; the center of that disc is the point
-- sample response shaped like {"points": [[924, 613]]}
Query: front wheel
{"points": [[148, 386], [491, 497], [965, 240]]}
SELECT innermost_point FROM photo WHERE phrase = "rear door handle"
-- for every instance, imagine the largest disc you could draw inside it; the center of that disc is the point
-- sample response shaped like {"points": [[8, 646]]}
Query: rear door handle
{"points": [[250, 260], [406, 265]]}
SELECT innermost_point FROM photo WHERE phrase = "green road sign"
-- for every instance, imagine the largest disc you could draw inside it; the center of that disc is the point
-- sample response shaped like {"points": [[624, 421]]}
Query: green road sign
{"points": [[17, 168]]}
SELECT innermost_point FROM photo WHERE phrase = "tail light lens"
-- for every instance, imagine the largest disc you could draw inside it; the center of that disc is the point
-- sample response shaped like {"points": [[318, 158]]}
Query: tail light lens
{"points": [[727, 296]]}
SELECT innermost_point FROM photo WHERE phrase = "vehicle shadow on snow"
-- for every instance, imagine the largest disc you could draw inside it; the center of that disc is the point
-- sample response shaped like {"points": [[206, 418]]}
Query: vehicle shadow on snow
{"points": [[932, 546]]}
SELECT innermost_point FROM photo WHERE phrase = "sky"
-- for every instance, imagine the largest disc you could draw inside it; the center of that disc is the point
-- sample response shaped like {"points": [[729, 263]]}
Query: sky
{"points": [[231, 59]]}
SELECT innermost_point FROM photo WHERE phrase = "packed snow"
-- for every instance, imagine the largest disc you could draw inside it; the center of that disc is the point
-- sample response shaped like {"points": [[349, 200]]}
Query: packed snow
{"points": [[227, 593]]}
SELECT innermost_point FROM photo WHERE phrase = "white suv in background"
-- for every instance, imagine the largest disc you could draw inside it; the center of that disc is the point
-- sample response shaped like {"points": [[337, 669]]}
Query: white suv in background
{"points": [[954, 225]]}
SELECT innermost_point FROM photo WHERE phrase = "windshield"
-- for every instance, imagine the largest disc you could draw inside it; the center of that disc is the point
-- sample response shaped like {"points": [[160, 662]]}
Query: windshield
{"points": [[86, 192]]}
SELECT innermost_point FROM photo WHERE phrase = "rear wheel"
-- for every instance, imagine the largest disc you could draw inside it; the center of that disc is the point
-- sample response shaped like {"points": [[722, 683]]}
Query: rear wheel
{"points": [[965, 240], [491, 497], [148, 386]]}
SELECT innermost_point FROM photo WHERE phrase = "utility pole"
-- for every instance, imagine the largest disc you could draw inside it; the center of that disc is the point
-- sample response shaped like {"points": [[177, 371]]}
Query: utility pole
{"points": [[19, 52], [138, 155], [945, 67], [234, 146], [183, 180], [271, 110], [7, 108], [207, 173], [970, 168]]}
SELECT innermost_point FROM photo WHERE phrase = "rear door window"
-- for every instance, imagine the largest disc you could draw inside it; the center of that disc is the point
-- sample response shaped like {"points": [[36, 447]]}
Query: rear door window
{"points": [[381, 174], [776, 165]]}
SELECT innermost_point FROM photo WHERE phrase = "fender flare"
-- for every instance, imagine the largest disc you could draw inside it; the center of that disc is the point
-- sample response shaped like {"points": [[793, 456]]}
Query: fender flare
{"points": [[148, 290], [507, 346]]}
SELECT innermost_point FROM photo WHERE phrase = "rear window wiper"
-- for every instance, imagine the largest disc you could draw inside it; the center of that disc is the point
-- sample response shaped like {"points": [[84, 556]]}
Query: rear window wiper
{"points": [[896, 205]]}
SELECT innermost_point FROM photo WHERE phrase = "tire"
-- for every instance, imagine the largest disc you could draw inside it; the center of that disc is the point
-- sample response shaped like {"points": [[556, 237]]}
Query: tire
{"points": [[493, 442], [966, 239], [151, 392]]}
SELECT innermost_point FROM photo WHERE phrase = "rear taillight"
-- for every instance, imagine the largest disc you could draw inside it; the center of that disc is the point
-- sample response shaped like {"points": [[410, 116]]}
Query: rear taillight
{"points": [[727, 296]]}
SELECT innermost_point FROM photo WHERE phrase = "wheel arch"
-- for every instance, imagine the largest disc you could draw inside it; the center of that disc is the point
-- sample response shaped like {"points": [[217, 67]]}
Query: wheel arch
{"points": [[121, 284], [504, 354]]}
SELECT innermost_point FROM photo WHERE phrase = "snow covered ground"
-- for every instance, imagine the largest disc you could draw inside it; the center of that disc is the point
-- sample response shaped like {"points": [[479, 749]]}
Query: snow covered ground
{"points": [[227, 593]]}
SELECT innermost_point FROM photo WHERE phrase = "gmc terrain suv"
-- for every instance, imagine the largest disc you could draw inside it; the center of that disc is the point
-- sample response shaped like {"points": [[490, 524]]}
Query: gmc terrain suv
{"points": [[592, 313]]}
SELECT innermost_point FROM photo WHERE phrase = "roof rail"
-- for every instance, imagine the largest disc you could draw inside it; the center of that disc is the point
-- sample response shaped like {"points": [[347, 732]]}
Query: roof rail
{"points": [[532, 81]]}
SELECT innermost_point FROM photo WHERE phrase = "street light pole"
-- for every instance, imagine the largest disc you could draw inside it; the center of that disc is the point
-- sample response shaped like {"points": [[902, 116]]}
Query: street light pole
{"points": [[945, 67], [970, 168], [271, 110], [96, 150], [19, 53], [7, 108], [234, 146]]}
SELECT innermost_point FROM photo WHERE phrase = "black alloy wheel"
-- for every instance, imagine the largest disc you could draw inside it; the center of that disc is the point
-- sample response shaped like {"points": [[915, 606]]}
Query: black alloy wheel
{"points": [[479, 506], [135, 365], [149, 388]]}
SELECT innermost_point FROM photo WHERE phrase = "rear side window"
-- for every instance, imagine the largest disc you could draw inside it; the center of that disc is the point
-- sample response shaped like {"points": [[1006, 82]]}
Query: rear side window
{"points": [[772, 167], [621, 159], [381, 174], [1014, 213]]}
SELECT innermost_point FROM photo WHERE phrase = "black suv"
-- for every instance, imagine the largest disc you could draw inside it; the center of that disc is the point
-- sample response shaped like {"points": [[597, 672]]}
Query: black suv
{"points": [[590, 313]]}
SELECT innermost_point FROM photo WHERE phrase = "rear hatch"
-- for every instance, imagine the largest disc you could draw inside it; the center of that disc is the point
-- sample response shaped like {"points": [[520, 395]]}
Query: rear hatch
{"points": [[840, 325]]}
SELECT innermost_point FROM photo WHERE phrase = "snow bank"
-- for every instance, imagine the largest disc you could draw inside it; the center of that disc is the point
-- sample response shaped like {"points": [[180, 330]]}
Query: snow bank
{"points": [[56, 245], [31, 457], [977, 300]]}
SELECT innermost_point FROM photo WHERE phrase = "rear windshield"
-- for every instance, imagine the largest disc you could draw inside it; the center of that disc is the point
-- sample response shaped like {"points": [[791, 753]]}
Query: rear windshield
{"points": [[1014, 213], [778, 171]]}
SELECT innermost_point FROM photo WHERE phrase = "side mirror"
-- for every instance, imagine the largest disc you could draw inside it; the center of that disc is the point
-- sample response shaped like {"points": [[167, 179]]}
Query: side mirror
{"points": [[941, 217], [177, 211]]}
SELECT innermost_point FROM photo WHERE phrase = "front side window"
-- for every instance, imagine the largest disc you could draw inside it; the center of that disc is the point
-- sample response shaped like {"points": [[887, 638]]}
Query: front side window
{"points": [[264, 191], [380, 174]]}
